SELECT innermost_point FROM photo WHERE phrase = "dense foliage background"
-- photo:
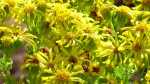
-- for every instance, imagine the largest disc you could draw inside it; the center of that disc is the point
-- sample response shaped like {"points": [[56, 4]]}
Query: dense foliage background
{"points": [[74, 41]]}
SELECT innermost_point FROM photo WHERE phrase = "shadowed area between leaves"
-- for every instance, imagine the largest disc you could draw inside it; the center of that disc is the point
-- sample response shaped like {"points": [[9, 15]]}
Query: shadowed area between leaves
{"points": [[18, 60]]}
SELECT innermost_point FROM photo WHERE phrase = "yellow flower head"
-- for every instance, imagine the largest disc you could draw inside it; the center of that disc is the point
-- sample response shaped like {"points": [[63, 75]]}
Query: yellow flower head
{"points": [[142, 27], [124, 10], [10, 3], [147, 76], [30, 7], [62, 75]]}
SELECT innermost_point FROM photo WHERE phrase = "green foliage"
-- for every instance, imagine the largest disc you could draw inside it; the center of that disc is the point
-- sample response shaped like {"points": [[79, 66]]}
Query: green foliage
{"points": [[5, 64]]}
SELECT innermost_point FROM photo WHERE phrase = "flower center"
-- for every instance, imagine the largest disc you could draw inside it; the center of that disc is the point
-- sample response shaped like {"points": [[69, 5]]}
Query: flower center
{"points": [[62, 75], [137, 47]]}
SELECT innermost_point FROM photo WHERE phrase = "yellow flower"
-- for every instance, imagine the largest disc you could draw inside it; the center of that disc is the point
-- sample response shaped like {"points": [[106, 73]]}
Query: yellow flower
{"points": [[125, 11], [7, 41], [41, 2], [142, 27], [10, 3], [30, 7], [147, 76], [62, 75]]}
